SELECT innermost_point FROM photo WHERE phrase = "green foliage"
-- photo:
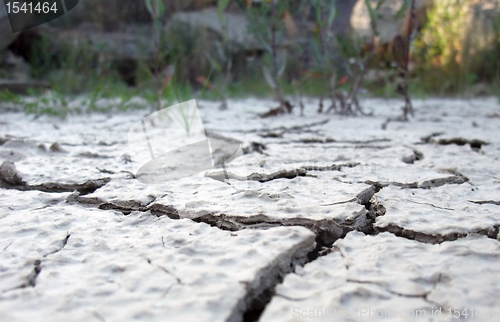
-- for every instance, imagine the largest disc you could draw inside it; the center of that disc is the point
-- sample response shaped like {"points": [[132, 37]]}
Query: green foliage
{"points": [[440, 46], [186, 48], [456, 49], [156, 8], [184, 114], [451, 55], [221, 7], [373, 16], [8, 96], [270, 22], [266, 22], [323, 42], [220, 58], [72, 68]]}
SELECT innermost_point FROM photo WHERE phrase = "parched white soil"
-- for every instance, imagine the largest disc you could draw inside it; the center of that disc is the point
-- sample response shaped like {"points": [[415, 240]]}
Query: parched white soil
{"points": [[319, 217]]}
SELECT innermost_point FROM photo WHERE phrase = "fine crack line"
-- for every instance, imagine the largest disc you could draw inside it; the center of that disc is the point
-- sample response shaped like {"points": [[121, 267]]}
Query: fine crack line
{"points": [[363, 198], [150, 262], [439, 279], [178, 280], [419, 236], [339, 202], [366, 282], [37, 267], [429, 204], [423, 296], [344, 256], [30, 279], [276, 129], [167, 291], [98, 316], [64, 243], [457, 178], [291, 298], [330, 140], [434, 239], [131, 175], [8, 245], [385, 288], [170, 273]]}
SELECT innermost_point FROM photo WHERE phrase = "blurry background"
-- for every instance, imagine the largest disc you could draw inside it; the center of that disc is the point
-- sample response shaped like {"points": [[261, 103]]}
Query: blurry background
{"points": [[174, 49]]}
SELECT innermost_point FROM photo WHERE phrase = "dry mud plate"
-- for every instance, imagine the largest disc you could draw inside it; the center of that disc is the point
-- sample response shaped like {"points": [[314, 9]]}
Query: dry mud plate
{"points": [[322, 218]]}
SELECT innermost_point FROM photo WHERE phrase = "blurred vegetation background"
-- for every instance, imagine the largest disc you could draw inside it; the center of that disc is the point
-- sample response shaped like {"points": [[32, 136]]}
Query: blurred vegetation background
{"points": [[218, 49]]}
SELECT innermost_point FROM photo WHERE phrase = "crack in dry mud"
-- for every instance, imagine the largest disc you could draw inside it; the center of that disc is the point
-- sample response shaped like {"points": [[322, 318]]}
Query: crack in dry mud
{"points": [[127, 207], [324, 247], [433, 183], [423, 296], [261, 290], [11, 179], [475, 144], [85, 188], [331, 140], [280, 174], [283, 129], [486, 202], [64, 243], [398, 231], [457, 178], [37, 268], [333, 167], [429, 204], [428, 138], [261, 177], [98, 316], [327, 231], [30, 279], [178, 280], [130, 174]]}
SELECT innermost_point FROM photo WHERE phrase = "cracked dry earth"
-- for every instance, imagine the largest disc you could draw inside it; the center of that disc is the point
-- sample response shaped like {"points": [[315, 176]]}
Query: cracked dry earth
{"points": [[323, 218]]}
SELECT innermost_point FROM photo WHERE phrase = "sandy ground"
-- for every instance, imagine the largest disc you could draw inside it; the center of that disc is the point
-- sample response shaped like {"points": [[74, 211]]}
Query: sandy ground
{"points": [[321, 218]]}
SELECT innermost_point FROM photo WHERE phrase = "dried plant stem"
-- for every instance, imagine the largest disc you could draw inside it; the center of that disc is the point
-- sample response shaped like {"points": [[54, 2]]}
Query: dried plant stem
{"points": [[274, 49], [408, 108]]}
